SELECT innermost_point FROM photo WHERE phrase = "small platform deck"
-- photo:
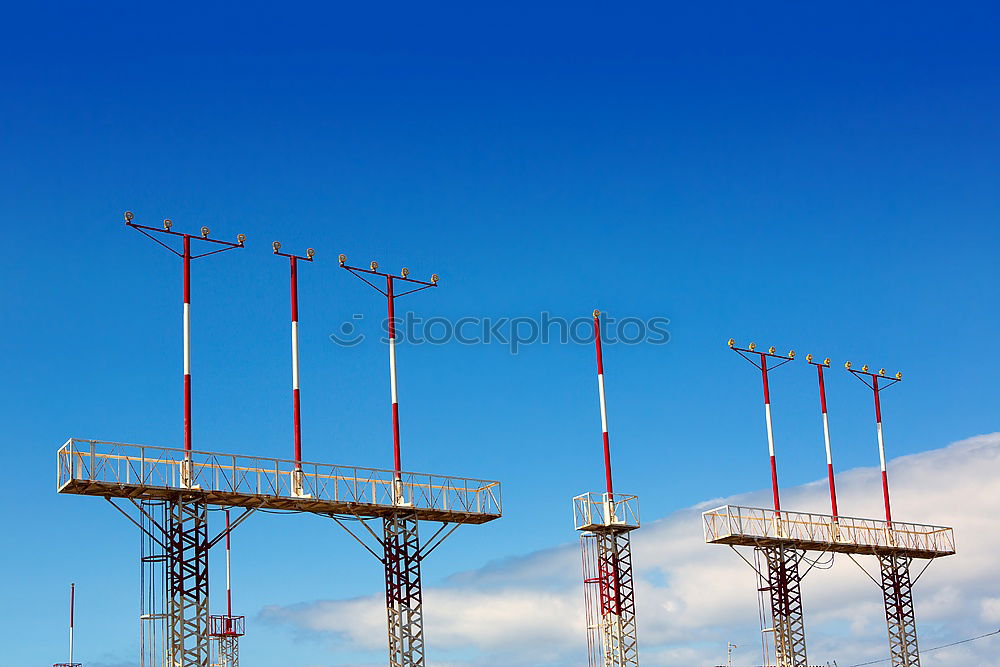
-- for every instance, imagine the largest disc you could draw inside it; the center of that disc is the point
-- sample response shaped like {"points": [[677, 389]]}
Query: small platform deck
{"points": [[759, 527], [603, 512], [119, 470]]}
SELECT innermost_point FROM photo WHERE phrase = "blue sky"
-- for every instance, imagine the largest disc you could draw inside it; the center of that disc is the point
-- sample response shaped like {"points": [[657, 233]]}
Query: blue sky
{"points": [[808, 177]]}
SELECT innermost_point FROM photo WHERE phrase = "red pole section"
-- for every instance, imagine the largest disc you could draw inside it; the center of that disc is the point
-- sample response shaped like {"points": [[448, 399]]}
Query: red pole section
{"points": [[826, 437], [770, 433], [392, 378], [295, 362], [187, 344], [881, 449], [604, 405]]}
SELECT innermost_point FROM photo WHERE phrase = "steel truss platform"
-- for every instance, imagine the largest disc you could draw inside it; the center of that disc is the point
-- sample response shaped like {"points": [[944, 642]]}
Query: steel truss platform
{"points": [[784, 537], [187, 482], [759, 527], [606, 522], [117, 470]]}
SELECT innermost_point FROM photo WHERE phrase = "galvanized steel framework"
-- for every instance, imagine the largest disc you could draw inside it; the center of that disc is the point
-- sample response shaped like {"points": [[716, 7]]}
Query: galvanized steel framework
{"points": [[174, 519], [783, 588], [403, 598], [784, 538], [609, 598], [897, 592]]}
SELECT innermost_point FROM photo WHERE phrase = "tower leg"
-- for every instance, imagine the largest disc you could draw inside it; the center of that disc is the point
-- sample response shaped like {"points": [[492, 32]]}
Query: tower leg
{"points": [[229, 651], [187, 584], [897, 591], [786, 606], [403, 598], [611, 626]]}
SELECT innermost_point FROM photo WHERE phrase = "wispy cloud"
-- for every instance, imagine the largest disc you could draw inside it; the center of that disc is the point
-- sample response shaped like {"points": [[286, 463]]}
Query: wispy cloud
{"points": [[694, 598]]}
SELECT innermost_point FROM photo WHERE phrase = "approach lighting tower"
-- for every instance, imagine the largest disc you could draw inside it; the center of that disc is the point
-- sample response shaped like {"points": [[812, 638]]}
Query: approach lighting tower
{"points": [[896, 584], [72, 604], [227, 629], [399, 549], [171, 490], [606, 521], [779, 531], [782, 580]]}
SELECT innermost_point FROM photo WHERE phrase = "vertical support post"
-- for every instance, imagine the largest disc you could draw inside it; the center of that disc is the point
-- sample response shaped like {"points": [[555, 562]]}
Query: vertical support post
{"points": [[770, 435], [783, 585], [187, 346], [297, 482], [604, 406], [72, 605], [229, 580], [897, 592], [293, 261], [187, 583], [881, 451], [820, 366], [403, 596], [393, 392]]}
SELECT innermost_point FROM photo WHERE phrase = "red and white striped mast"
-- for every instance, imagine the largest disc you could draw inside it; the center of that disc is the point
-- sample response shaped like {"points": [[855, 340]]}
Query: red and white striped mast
{"points": [[751, 349], [186, 256], [871, 380], [390, 294], [604, 405], [296, 419], [820, 366]]}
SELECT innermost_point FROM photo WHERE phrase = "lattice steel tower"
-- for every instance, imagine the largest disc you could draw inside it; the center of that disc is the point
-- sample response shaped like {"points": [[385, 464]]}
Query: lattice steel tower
{"points": [[782, 539], [606, 521], [171, 490]]}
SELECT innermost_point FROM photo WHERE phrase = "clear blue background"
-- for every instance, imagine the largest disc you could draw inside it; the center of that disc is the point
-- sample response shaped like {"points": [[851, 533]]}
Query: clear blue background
{"points": [[816, 177]]}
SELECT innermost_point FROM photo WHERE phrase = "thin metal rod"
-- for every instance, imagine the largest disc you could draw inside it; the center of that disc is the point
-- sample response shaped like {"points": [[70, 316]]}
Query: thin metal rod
{"points": [[604, 404]]}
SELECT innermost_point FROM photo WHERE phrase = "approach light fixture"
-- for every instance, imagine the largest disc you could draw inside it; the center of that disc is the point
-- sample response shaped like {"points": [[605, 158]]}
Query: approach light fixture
{"points": [[167, 224]]}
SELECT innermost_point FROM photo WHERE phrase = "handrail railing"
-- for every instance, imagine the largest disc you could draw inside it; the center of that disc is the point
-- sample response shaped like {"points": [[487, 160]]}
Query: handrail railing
{"points": [[732, 521], [133, 465], [603, 509]]}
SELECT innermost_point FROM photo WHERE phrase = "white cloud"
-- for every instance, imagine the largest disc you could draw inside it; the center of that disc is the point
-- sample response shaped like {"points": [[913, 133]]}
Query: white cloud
{"points": [[694, 598]]}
